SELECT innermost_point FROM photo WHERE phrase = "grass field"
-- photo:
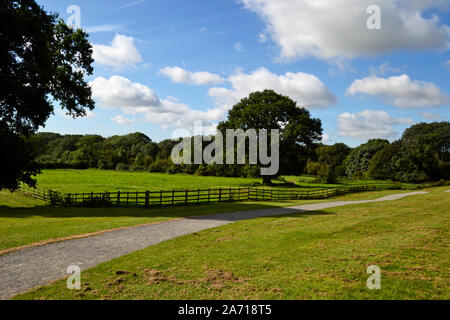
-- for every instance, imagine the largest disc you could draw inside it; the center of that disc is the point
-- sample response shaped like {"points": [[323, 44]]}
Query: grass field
{"points": [[24, 220], [93, 180], [315, 255]]}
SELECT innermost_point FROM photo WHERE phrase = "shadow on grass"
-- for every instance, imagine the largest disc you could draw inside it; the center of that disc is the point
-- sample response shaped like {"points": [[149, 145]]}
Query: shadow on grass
{"points": [[163, 212]]}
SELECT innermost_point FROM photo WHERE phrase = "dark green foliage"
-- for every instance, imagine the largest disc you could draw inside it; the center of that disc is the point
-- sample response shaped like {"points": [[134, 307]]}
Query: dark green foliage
{"points": [[42, 61], [424, 154], [326, 174], [312, 167], [380, 166], [270, 110], [122, 167], [357, 162], [133, 151], [333, 157]]}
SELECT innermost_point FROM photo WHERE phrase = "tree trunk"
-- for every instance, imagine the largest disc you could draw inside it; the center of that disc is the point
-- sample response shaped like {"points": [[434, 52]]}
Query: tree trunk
{"points": [[267, 180]]}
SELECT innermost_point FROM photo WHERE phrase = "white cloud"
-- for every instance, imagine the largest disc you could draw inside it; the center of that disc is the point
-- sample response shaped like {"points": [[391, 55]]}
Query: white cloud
{"points": [[427, 4], [400, 91], [326, 138], [383, 69], [120, 93], [262, 37], [122, 120], [131, 4], [447, 64], [138, 99], [238, 47], [430, 116], [120, 52], [304, 88], [104, 28], [335, 29], [369, 124], [180, 75]]}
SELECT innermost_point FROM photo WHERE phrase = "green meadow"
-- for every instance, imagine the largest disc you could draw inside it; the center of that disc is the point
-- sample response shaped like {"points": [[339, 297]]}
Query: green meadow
{"points": [[95, 180], [25, 221], [309, 255]]}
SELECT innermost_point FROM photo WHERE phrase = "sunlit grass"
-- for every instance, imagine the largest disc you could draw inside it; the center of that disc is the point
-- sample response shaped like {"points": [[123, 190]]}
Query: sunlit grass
{"points": [[314, 255]]}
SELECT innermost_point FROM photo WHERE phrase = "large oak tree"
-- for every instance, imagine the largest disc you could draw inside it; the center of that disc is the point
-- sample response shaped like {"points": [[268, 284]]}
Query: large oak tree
{"points": [[270, 110], [43, 62]]}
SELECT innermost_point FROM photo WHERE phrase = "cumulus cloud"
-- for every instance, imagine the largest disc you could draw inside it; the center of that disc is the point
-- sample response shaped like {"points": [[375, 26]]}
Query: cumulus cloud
{"points": [[134, 98], [369, 124], [335, 29], [137, 99], [121, 120], [120, 52], [304, 88], [120, 93], [400, 91], [180, 75]]}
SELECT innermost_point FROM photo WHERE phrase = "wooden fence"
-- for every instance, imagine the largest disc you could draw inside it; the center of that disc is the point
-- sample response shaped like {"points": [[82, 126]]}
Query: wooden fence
{"points": [[194, 196]]}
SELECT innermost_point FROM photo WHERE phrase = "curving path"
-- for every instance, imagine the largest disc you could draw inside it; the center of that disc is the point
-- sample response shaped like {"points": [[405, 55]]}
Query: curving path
{"points": [[31, 267]]}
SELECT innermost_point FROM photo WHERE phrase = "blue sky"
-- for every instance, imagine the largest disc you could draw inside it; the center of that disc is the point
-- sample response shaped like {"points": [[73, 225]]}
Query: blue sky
{"points": [[161, 65]]}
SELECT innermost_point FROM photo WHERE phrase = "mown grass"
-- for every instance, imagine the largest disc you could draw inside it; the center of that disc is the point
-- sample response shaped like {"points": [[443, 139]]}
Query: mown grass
{"points": [[24, 221], [313, 255], [94, 180]]}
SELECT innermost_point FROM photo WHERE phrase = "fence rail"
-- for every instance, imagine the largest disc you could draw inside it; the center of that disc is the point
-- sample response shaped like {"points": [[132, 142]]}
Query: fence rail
{"points": [[193, 196]]}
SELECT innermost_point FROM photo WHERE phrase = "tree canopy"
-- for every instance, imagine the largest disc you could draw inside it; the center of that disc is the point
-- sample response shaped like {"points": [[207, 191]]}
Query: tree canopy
{"points": [[43, 62], [359, 158], [270, 110]]}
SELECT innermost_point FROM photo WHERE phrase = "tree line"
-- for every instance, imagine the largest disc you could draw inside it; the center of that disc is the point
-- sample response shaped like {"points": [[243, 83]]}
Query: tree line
{"points": [[422, 154]]}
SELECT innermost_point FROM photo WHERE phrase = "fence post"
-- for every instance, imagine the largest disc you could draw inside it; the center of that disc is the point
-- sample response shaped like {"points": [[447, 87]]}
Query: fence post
{"points": [[186, 197], [160, 198], [128, 197], [220, 194], [198, 196], [209, 195], [68, 199], [147, 196], [118, 198], [173, 197]]}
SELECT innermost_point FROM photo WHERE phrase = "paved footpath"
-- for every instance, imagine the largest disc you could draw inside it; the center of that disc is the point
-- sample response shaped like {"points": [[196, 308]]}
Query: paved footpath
{"points": [[32, 267]]}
